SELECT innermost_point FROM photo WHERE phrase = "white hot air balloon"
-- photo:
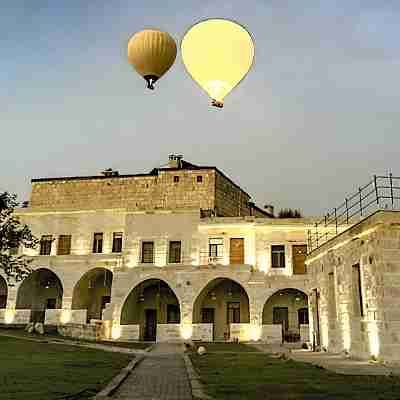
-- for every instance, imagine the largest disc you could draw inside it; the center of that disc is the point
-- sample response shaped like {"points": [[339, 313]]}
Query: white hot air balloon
{"points": [[218, 54]]}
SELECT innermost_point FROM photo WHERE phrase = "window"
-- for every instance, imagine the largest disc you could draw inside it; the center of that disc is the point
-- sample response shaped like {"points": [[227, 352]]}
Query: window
{"points": [[45, 245], [199, 179], [105, 300], [117, 242], [215, 247], [302, 314], [51, 304], [358, 307], [148, 252], [233, 313], [98, 243], [174, 255], [278, 256], [176, 179], [173, 314], [64, 245]]}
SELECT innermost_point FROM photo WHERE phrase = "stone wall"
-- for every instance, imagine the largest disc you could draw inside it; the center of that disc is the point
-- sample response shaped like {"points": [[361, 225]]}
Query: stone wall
{"points": [[271, 334], [202, 332], [357, 278], [141, 192], [169, 333], [81, 331], [230, 200]]}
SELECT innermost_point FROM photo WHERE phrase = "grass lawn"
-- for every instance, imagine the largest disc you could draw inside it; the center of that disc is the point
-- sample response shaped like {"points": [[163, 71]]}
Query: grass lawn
{"points": [[227, 347], [257, 376], [43, 371], [22, 333]]}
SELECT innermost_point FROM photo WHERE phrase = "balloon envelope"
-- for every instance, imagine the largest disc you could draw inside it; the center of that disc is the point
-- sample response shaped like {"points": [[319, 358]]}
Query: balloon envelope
{"points": [[217, 53], [152, 53]]}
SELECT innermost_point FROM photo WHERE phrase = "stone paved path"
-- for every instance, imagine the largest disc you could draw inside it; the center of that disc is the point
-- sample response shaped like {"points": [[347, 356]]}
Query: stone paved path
{"points": [[160, 376]]}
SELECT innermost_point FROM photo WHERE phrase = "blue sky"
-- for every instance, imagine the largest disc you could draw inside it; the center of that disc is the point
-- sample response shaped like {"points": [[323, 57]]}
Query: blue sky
{"points": [[315, 117]]}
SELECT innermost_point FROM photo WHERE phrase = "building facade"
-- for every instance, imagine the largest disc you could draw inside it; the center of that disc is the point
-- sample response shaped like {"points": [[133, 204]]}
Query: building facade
{"points": [[179, 253]]}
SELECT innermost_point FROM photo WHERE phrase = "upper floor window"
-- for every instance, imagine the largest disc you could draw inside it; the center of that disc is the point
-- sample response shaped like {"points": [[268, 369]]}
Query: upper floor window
{"points": [[199, 178], [117, 242], [148, 252], [64, 245], [98, 243], [45, 245], [174, 255], [176, 179], [278, 256], [215, 247]]}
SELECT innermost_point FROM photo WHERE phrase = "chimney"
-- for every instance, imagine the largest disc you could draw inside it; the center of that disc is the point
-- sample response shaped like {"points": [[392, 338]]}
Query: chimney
{"points": [[269, 209], [175, 160], [109, 172]]}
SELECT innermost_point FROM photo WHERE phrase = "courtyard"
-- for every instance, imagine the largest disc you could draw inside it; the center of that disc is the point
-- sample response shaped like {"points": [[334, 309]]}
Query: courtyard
{"points": [[38, 370], [247, 374]]}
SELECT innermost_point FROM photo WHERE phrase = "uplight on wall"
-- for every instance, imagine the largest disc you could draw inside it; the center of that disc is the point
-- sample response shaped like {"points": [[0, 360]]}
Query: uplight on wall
{"points": [[255, 332], [116, 331], [9, 316], [65, 316], [186, 331]]}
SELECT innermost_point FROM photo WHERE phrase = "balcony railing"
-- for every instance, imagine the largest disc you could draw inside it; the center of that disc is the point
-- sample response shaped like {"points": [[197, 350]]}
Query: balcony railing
{"points": [[381, 193]]}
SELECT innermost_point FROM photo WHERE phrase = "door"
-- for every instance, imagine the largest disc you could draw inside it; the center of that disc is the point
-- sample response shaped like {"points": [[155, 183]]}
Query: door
{"points": [[281, 317], [150, 327], [233, 316], [208, 317], [299, 258], [236, 251]]}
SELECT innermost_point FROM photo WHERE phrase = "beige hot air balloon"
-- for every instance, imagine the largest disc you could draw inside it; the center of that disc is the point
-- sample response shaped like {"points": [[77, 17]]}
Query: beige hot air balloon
{"points": [[152, 53], [217, 53]]}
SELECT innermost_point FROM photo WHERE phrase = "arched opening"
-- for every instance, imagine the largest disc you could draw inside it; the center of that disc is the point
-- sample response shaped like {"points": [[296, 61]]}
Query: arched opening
{"points": [[222, 302], [287, 307], [93, 292], [39, 291], [3, 292], [150, 303]]}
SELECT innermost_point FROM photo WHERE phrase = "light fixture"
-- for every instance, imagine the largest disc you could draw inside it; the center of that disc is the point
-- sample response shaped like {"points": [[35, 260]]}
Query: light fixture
{"points": [[213, 296]]}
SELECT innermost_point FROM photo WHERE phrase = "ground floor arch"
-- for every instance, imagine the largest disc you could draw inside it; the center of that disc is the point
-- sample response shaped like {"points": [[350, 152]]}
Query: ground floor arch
{"points": [[150, 303], [289, 308], [39, 291], [92, 292], [3, 292], [222, 302]]}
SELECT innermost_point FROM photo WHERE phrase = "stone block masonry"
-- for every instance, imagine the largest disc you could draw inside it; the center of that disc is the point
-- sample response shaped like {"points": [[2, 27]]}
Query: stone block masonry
{"points": [[203, 188]]}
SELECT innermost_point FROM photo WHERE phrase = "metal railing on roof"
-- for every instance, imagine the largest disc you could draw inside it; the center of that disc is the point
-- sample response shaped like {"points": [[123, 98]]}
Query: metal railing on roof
{"points": [[382, 192]]}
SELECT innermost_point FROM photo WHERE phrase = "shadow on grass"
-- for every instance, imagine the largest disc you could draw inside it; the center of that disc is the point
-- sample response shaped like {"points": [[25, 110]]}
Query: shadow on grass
{"points": [[45, 371], [258, 376]]}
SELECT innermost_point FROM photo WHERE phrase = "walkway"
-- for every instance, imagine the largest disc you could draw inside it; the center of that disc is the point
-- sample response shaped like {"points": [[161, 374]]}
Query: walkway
{"points": [[333, 362], [160, 376]]}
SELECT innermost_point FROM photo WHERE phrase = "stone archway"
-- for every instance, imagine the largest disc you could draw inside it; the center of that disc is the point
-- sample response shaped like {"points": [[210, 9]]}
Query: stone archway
{"points": [[289, 308], [3, 292], [149, 303], [93, 292], [39, 291], [222, 302]]}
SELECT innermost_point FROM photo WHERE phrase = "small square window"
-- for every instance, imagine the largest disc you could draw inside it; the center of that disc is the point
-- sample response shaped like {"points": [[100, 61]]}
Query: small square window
{"points": [[148, 252], [117, 242], [278, 256], [98, 243], [199, 178], [45, 245], [174, 252], [176, 179]]}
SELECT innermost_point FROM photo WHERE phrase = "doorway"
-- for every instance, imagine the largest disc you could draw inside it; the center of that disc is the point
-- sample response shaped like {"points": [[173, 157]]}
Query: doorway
{"points": [[150, 328], [208, 317]]}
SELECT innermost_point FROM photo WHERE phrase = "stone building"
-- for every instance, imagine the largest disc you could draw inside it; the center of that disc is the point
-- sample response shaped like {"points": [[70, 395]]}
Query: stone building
{"points": [[355, 289], [178, 253]]}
